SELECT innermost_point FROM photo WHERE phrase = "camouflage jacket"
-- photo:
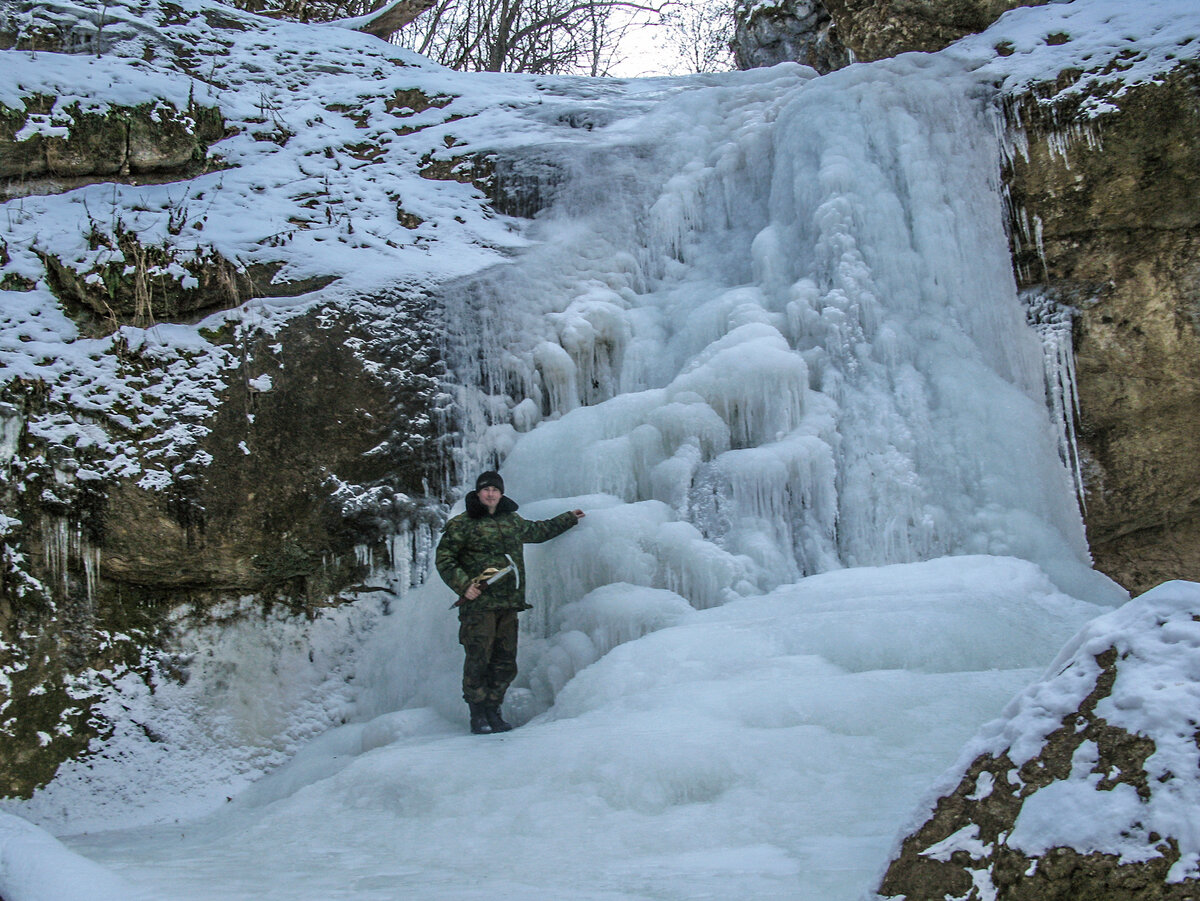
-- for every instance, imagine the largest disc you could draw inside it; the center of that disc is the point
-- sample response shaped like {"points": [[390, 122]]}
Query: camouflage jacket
{"points": [[475, 540]]}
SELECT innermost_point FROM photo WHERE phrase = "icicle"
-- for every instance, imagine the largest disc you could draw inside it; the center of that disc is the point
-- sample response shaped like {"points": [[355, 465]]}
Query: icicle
{"points": [[65, 545], [91, 569], [1054, 322], [364, 556], [11, 425], [56, 543]]}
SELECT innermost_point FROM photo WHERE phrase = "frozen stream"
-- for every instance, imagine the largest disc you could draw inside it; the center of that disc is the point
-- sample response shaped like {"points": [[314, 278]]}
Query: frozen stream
{"points": [[767, 335]]}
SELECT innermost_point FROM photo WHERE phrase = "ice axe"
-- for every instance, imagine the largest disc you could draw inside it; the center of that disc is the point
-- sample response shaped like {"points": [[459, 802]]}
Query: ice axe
{"points": [[490, 575]]}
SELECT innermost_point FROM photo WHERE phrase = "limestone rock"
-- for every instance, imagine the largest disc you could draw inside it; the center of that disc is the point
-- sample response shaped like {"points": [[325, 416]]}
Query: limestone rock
{"points": [[1087, 786], [317, 454], [144, 285], [41, 139], [828, 34], [876, 29], [792, 30], [1106, 220]]}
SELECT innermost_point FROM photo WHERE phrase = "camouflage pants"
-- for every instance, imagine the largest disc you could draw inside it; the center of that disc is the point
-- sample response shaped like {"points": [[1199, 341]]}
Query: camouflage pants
{"points": [[489, 638]]}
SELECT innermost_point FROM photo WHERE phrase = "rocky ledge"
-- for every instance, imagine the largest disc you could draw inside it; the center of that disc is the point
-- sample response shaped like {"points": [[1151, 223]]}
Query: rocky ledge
{"points": [[1106, 224]]}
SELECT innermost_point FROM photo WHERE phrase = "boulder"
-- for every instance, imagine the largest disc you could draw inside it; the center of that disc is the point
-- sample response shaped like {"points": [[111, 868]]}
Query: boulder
{"points": [[1087, 785]]}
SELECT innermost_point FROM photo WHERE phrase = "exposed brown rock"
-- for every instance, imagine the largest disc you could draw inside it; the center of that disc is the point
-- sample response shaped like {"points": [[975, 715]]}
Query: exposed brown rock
{"points": [[477, 169], [827, 34], [261, 511], [144, 285], [1106, 217], [968, 846], [122, 141], [877, 29]]}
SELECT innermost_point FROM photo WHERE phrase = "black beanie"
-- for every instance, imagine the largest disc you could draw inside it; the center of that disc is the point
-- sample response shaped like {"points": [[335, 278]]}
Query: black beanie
{"points": [[489, 479]]}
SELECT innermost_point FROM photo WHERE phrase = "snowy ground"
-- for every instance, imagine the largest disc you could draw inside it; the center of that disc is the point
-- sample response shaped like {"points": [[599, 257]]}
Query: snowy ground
{"points": [[829, 533], [768, 748]]}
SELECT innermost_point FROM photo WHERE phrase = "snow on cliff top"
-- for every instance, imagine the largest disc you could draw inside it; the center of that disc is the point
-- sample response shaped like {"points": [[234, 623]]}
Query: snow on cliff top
{"points": [[1112, 45]]}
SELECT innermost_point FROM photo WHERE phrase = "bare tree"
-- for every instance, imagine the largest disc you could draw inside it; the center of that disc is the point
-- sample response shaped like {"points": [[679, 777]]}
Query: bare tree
{"points": [[537, 36], [698, 33], [550, 37]]}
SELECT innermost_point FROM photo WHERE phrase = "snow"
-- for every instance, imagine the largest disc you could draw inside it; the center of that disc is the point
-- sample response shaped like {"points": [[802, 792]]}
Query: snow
{"points": [[965, 839], [33, 864], [765, 333], [1157, 638], [1112, 45], [697, 757]]}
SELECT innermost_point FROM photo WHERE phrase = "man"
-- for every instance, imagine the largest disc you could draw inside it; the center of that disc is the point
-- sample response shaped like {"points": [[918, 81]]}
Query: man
{"points": [[489, 536]]}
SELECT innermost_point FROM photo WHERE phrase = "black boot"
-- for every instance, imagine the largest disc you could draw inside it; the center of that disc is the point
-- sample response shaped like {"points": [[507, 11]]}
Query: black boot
{"points": [[494, 720], [480, 721]]}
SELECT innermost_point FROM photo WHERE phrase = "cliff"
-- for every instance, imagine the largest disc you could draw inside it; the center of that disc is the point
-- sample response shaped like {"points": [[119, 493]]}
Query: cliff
{"points": [[221, 394]]}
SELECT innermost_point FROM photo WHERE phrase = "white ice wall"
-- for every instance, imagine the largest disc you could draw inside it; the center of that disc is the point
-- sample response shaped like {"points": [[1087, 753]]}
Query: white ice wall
{"points": [[795, 325]]}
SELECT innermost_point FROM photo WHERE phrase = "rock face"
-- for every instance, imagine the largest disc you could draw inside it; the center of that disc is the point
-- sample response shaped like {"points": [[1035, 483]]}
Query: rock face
{"points": [[876, 29], [792, 30], [829, 34], [1087, 786], [161, 479], [144, 284], [1106, 221], [40, 139], [321, 447]]}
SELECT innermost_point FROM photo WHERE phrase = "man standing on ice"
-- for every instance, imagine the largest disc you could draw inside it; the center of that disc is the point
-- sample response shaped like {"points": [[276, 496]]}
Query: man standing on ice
{"points": [[480, 558]]}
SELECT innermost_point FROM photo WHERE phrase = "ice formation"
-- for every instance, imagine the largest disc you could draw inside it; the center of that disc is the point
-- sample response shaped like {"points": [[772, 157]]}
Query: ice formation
{"points": [[795, 327]]}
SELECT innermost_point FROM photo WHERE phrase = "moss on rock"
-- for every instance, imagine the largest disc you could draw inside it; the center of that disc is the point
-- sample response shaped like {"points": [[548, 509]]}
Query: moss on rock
{"points": [[47, 138]]}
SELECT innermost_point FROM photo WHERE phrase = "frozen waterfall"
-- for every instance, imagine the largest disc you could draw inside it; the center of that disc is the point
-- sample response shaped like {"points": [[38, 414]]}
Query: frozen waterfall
{"points": [[764, 329], [770, 330]]}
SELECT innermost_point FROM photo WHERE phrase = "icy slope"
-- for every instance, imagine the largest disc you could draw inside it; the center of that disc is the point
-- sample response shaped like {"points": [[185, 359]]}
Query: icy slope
{"points": [[767, 748]]}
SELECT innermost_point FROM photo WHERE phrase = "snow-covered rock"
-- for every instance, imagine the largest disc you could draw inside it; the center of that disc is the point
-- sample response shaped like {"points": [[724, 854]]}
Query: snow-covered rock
{"points": [[1088, 784]]}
